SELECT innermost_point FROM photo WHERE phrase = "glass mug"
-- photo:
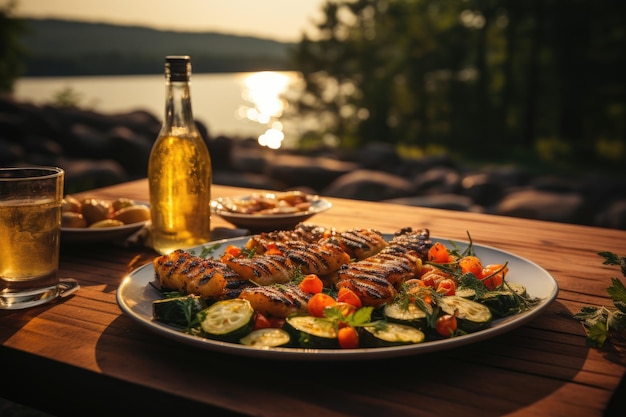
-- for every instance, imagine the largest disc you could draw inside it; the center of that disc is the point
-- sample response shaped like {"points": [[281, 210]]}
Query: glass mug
{"points": [[30, 229]]}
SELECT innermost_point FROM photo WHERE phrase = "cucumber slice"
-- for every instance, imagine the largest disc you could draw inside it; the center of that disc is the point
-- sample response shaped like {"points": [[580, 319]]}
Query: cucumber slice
{"points": [[409, 314], [383, 334], [177, 311], [312, 332], [471, 315], [227, 320], [269, 337]]}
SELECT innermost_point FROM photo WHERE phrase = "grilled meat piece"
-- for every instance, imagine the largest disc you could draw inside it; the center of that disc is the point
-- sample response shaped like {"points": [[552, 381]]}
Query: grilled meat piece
{"points": [[188, 274], [376, 278], [277, 300], [262, 270], [303, 232], [234, 285], [360, 243], [417, 240], [315, 258], [371, 284]]}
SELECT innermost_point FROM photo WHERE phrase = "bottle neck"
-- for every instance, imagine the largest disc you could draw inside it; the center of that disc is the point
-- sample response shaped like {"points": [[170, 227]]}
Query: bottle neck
{"points": [[178, 113]]}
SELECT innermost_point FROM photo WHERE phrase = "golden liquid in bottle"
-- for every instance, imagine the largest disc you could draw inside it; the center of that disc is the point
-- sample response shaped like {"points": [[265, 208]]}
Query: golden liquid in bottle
{"points": [[180, 176]]}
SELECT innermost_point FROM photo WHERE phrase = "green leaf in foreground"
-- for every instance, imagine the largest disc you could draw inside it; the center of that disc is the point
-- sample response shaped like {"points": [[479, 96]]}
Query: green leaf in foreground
{"points": [[607, 325]]}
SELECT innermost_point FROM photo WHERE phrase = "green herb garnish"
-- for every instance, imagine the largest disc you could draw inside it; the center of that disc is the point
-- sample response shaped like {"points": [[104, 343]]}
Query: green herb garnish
{"points": [[607, 324]]}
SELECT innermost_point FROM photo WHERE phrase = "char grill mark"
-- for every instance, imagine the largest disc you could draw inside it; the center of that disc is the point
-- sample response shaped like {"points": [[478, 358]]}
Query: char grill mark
{"points": [[263, 270], [418, 240], [320, 259], [377, 278], [361, 243], [188, 274], [276, 300], [302, 233], [372, 287]]}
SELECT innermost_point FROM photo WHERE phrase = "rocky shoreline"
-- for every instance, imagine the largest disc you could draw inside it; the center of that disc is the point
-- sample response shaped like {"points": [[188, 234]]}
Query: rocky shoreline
{"points": [[98, 149]]}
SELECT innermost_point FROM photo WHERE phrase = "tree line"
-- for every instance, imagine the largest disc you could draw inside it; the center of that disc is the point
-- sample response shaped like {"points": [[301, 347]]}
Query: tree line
{"points": [[542, 77]]}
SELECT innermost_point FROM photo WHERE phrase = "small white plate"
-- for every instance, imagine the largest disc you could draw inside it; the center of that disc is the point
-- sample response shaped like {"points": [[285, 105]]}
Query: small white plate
{"points": [[266, 222], [100, 234]]}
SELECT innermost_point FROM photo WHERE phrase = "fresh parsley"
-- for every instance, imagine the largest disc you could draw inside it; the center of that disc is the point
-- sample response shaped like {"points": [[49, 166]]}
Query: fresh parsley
{"points": [[607, 324]]}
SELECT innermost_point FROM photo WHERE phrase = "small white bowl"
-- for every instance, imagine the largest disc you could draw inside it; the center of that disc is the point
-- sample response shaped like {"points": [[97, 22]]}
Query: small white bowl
{"points": [[266, 222]]}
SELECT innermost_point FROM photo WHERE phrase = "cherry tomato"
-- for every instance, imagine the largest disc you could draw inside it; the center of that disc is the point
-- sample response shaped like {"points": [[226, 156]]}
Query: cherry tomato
{"points": [[446, 287], [261, 322], [438, 253], [318, 303], [311, 284], [493, 275], [471, 264], [233, 250], [346, 295], [446, 325], [429, 280], [272, 249], [348, 337], [230, 252], [276, 322]]}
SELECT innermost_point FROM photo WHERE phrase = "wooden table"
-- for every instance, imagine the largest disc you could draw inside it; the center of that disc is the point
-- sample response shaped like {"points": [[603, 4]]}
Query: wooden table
{"points": [[83, 356]]}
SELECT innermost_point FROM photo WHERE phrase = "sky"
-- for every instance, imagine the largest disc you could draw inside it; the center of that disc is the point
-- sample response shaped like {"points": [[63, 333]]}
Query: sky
{"points": [[282, 20]]}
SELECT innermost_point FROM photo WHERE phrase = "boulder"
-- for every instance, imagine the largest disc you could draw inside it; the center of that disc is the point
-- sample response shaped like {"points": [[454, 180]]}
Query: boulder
{"points": [[364, 184]]}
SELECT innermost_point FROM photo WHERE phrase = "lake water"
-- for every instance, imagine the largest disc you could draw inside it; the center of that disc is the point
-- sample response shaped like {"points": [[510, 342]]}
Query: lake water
{"points": [[233, 104]]}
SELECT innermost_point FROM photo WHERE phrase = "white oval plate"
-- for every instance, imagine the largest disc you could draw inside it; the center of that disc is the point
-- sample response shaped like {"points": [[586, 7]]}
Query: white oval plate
{"points": [[136, 294], [266, 222]]}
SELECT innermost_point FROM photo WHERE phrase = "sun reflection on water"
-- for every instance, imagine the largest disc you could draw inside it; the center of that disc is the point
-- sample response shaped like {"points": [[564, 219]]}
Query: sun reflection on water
{"points": [[263, 93]]}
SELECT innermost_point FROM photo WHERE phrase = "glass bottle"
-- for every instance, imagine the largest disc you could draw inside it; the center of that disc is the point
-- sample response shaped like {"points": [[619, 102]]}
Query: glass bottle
{"points": [[179, 169]]}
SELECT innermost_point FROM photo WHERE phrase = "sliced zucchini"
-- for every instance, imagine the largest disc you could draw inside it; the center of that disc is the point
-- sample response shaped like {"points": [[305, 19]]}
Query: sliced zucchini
{"points": [[409, 314], [312, 332], [269, 337], [177, 311], [227, 320], [382, 333], [518, 288], [465, 292], [471, 315]]}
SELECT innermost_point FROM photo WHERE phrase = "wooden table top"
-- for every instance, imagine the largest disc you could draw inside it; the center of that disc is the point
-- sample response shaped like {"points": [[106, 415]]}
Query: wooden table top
{"points": [[84, 355]]}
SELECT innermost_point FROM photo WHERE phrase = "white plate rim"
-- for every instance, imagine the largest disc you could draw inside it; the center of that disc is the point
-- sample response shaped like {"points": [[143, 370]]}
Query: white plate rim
{"points": [[99, 234], [318, 205], [135, 296]]}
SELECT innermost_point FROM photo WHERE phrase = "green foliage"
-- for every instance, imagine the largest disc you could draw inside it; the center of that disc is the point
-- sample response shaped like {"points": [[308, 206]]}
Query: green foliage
{"points": [[470, 75], [11, 50], [607, 324], [67, 98]]}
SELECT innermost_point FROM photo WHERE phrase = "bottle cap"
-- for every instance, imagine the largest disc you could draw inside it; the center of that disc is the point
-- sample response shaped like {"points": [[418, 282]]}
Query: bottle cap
{"points": [[178, 67]]}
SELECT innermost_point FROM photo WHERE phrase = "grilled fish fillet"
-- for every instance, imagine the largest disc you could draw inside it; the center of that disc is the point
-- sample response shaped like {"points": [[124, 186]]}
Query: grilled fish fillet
{"points": [[277, 300], [188, 274]]}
